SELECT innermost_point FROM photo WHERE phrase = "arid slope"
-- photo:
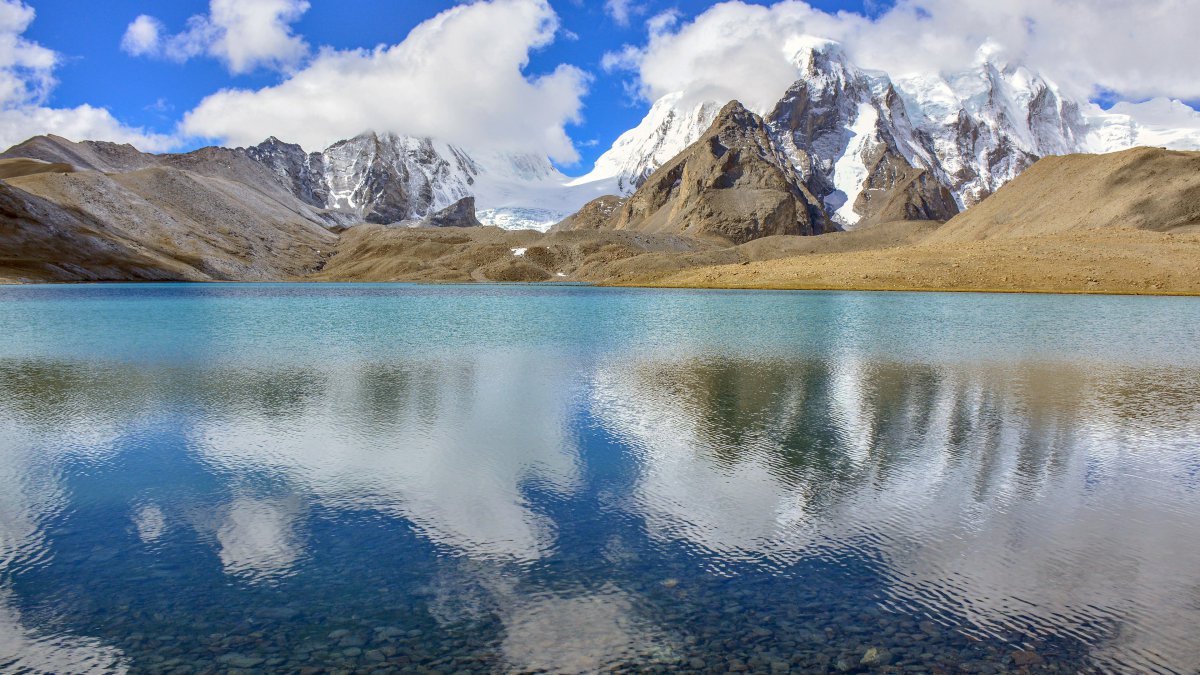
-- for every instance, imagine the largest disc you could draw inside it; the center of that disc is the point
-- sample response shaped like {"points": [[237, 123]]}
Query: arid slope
{"points": [[1115, 261], [1122, 223], [1143, 188], [168, 224]]}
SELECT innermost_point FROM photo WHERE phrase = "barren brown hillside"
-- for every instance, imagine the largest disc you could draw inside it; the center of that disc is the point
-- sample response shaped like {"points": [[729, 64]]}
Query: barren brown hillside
{"points": [[1143, 188], [1127, 222]]}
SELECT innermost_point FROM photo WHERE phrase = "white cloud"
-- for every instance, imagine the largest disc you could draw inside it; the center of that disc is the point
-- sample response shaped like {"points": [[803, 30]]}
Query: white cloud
{"points": [[81, 123], [663, 21], [26, 81], [732, 50], [242, 34], [458, 77], [26, 68], [620, 10], [1141, 49], [142, 37], [736, 50]]}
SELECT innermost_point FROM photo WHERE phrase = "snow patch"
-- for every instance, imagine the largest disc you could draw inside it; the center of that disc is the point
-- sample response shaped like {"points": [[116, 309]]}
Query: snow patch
{"points": [[518, 252], [850, 171]]}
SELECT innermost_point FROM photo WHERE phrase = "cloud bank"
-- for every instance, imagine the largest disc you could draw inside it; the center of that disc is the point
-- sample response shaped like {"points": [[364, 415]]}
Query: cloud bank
{"points": [[735, 50], [243, 34], [458, 76], [26, 82]]}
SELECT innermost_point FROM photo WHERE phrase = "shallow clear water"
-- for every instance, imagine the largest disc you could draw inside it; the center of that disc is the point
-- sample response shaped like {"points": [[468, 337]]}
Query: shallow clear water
{"points": [[509, 478]]}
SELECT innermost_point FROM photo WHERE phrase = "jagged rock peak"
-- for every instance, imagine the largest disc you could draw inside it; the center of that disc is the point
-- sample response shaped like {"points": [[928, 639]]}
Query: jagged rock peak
{"points": [[734, 115], [459, 214], [730, 184], [273, 142], [819, 58]]}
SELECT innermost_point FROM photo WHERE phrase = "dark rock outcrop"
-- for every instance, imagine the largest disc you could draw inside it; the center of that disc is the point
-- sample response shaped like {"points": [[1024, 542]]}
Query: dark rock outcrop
{"points": [[731, 184], [895, 190], [459, 214]]}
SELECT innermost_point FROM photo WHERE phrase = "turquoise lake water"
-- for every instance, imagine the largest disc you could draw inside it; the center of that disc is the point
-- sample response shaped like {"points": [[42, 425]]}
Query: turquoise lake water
{"points": [[394, 478]]}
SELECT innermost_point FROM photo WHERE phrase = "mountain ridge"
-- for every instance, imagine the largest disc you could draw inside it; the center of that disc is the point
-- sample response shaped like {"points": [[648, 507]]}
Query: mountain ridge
{"points": [[852, 134]]}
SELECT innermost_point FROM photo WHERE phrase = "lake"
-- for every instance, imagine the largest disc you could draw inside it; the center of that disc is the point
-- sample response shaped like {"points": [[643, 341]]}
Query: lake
{"points": [[387, 478]]}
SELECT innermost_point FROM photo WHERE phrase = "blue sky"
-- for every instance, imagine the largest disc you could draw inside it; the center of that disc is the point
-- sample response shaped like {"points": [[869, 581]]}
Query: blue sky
{"points": [[150, 93]]}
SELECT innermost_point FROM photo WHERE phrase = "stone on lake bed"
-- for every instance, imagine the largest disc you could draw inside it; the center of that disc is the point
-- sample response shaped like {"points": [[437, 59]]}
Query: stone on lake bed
{"points": [[235, 660], [281, 613], [1026, 658], [876, 656]]}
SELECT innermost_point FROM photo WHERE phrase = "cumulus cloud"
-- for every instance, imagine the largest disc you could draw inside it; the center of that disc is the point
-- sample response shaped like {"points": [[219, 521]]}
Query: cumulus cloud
{"points": [[458, 76], [736, 50], [242, 34], [26, 81], [1141, 49], [733, 50], [143, 37]]}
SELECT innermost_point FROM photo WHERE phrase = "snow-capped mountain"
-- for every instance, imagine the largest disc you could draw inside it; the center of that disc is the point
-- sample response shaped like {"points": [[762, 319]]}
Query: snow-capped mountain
{"points": [[845, 130], [666, 131], [850, 131], [853, 135], [388, 178], [985, 125], [858, 139]]}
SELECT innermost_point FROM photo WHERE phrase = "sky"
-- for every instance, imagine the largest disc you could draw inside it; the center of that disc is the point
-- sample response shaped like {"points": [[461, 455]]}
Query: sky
{"points": [[559, 77]]}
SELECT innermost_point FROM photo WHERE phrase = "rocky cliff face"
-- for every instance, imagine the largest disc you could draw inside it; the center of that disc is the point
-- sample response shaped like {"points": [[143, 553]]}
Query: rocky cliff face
{"points": [[388, 178], [849, 135], [732, 183], [302, 173], [459, 214]]}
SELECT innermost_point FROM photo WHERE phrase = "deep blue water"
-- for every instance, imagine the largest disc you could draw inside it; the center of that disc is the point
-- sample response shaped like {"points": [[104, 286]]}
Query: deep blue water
{"points": [[391, 478]]}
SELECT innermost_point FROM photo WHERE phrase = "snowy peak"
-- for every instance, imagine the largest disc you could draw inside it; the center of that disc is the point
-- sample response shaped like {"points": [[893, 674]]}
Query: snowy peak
{"points": [[672, 124], [985, 125], [387, 178], [854, 134], [823, 64]]}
